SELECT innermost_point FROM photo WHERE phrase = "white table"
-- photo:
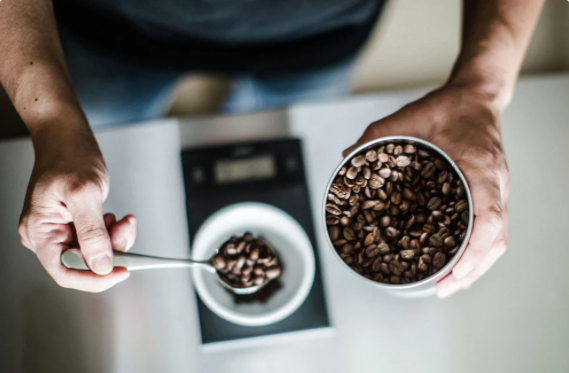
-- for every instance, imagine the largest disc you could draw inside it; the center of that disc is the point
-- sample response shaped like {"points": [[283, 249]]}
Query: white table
{"points": [[512, 320]]}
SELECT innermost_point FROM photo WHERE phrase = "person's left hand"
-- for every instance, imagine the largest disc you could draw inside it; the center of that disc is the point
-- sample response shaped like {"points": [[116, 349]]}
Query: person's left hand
{"points": [[465, 125]]}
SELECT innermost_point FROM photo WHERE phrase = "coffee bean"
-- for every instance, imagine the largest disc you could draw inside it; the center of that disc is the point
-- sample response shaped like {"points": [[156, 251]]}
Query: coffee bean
{"points": [[442, 177], [396, 198], [391, 232], [376, 181], [423, 153], [434, 203], [461, 205], [407, 254], [450, 242], [446, 189], [366, 172], [382, 157], [403, 161], [405, 242], [345, 221], [349, 234], [369, 239], [441, 165], [422, 266], [398, 150], [376, 265], [340, 191], [436, 240], [369, 204], [428, 170], [464, 217], [396, 268], [382, 195], [352, 173], [359, 161], [371, 155], [389, 148], [439, 260], [372, 251], [385, 172], [409, 149]]}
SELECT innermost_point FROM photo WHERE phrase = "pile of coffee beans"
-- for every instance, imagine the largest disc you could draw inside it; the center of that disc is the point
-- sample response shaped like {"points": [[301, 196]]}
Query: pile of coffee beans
{"points": [[246, 261], [397, 213]]}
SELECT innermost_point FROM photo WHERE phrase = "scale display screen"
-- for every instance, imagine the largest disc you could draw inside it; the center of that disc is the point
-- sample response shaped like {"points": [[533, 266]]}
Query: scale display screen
{"points": [[235, 170]]}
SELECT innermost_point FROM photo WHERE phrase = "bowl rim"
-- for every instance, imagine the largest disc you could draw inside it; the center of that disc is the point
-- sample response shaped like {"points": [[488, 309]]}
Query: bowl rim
{"points": [[296, 300], [444, 270]]}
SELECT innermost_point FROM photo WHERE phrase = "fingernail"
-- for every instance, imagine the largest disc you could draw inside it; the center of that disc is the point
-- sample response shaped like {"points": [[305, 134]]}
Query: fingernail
{"points": [[460, 271], [102, 264]]}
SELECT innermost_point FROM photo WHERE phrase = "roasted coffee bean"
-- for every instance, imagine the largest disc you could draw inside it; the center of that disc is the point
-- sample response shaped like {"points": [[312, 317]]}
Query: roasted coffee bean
{"points": [[359, 161], [340, 191], [435, 240], [461, 205], [371, 155], [369, 239], [396, 198], [441, 165], [428, 170], [391, 232], [349, 234], [409, 149], [352, 173], [405, 242], [385, 172], [376, 181], [442, 177], [450, 242], [439, 260], [372, 251], [345, 221], [396, 268], [434, 203], [369, 204], [464, 217], [400, 203], [424, 239], [403, 161]]}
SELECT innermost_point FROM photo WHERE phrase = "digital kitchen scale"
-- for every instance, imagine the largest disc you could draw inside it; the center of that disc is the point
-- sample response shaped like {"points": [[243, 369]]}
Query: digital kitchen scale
{"points": [[270, 172]]}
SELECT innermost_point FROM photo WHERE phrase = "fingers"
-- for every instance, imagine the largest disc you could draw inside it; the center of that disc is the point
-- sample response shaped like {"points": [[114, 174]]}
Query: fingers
{"points": [[123, 233], [50, 258], [109, 219], [488, 222], [450, 284], [94, 241]]}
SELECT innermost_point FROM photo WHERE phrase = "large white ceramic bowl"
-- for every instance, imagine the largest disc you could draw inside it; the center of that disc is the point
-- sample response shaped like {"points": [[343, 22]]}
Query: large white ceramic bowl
{"points": [[287, 238]]}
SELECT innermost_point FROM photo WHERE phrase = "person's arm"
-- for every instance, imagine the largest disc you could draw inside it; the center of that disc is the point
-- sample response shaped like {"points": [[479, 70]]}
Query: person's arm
{"points": [[69, 182], [462, 118]]}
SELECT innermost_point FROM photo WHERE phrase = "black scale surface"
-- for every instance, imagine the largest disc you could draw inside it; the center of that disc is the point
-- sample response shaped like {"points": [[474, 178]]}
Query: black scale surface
{"points": [[286, 189]]}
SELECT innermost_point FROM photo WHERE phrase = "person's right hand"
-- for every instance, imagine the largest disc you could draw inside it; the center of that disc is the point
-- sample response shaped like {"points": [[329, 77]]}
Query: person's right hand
{"points": [[63, 209]]}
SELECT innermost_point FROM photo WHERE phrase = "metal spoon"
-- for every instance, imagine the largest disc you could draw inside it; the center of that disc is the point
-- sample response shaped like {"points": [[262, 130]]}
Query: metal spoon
{"points": [[73, 259]]}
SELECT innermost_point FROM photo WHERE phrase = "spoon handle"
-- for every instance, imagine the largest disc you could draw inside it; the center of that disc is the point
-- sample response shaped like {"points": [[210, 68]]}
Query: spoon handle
{"points": [[73, 259]]}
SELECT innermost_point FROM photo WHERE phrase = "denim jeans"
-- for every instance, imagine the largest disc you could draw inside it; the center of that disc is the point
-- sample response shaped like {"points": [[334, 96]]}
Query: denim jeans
{"points": [[113, 90]]}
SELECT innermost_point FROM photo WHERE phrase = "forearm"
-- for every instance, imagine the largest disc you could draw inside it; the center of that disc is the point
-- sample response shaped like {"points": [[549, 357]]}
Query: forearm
{"points": [[33, 70], [495, 37]]}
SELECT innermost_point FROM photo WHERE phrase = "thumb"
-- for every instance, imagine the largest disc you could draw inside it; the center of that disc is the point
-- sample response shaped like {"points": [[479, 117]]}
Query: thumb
{"points": [[93, 238]]}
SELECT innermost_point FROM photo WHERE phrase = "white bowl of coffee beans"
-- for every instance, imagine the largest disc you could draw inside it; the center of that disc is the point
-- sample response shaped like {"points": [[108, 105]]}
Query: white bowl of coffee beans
{"points": [[398, 214], [258, 244]]}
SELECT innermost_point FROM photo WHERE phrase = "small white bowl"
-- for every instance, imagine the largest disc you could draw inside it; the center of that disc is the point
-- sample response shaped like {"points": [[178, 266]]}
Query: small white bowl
{"points": [[287, 238]]}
